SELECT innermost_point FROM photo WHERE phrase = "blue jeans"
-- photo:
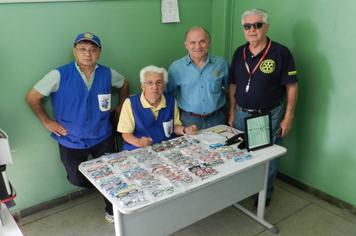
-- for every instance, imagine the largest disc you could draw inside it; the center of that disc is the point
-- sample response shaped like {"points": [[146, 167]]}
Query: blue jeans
{"points": [[218, 118], [276, 116]]}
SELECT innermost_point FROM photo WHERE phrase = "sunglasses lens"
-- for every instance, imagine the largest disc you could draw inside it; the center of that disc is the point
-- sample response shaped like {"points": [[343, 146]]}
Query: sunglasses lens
{"points": [[246, 26], [258, 25]]}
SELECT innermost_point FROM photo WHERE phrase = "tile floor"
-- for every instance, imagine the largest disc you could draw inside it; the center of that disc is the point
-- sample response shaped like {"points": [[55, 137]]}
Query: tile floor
{"points": [[294, 212]]}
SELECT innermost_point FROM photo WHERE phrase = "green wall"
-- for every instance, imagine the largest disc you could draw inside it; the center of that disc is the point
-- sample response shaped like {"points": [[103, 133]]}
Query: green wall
{"points": [[321, 35], [38, 37]]}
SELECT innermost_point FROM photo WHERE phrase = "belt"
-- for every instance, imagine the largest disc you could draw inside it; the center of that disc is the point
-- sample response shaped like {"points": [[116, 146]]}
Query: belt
{"points": [[203, 116], [259, 111]]}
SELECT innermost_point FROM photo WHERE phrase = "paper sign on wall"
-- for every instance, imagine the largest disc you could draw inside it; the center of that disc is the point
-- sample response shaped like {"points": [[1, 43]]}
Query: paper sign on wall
{"points": [[170, 11]]}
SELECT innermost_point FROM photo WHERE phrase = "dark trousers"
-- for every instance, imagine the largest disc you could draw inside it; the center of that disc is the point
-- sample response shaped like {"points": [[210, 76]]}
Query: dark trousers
{"points": [[72, 158]]}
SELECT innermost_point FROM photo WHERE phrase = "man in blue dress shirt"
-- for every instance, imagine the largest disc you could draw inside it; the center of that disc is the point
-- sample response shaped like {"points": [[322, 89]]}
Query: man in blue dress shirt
{"points": [[199, 81]]}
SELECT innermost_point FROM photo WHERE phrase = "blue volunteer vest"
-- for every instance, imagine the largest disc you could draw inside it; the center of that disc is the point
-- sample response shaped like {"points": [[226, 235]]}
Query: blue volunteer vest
{"points": [[145, 123], [84, 113]]}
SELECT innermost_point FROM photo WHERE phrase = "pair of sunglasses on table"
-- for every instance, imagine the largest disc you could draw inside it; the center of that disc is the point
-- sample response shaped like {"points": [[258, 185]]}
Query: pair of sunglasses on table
{"points": [[257, 25]]}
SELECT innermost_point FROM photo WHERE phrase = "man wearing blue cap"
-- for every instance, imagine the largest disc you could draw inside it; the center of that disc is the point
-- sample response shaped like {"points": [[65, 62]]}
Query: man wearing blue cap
{"points": [[81, 98]]}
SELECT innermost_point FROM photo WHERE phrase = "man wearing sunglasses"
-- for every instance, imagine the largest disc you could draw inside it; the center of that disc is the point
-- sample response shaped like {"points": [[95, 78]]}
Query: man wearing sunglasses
{"points": [[262, 76]]}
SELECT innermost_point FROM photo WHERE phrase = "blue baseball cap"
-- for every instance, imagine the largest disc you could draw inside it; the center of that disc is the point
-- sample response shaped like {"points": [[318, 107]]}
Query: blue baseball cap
{"points": [[87, 36]]}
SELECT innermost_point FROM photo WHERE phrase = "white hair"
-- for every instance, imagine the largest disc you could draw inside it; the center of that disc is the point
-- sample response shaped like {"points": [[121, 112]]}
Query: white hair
{"points": [[255, 12], [153, 69]]}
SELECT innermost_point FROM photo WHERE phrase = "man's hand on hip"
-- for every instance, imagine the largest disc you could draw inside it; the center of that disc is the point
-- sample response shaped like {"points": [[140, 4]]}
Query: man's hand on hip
{"points": [[55, 128]]}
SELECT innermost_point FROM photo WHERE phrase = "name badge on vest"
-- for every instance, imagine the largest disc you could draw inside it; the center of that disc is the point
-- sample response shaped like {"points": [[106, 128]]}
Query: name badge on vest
{"points": [[104, 102], [168, 128]]}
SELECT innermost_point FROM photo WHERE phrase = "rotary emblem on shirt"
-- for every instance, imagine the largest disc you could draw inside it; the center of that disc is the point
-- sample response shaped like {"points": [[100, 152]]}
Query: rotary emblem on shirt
{"points": [[216, 73], [268, 66]]}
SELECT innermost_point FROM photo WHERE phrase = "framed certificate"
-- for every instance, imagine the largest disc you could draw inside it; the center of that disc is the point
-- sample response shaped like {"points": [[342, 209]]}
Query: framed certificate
{"points": [[258, 131]]}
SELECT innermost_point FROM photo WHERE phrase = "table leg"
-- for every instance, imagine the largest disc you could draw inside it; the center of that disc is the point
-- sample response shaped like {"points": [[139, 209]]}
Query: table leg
{"points": [[117, 221], [262, 195], [259, 217]]}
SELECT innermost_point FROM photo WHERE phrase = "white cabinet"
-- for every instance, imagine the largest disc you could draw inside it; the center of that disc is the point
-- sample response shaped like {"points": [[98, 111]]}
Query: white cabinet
{"points": [[8, 226]]}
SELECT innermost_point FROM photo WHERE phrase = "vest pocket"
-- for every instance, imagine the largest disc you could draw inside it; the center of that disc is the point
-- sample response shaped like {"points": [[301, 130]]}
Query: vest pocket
{"points": [[168, 128], [104, 102]]}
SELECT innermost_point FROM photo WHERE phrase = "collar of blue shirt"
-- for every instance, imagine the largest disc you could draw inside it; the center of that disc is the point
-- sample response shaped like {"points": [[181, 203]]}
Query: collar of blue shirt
{"points": [[209, 59]]}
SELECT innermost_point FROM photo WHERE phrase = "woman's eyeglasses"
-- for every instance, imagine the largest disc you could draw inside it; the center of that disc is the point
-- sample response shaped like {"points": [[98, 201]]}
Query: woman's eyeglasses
{"points": [[158, 83]]}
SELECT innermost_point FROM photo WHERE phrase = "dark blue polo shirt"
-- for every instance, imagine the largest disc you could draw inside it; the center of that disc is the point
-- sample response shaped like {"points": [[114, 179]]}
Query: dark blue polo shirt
{"points": [[267, 86]]}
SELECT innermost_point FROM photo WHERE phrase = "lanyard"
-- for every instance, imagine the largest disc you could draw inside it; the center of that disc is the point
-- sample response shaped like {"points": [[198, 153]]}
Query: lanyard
{"points": [[250, 74]]}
